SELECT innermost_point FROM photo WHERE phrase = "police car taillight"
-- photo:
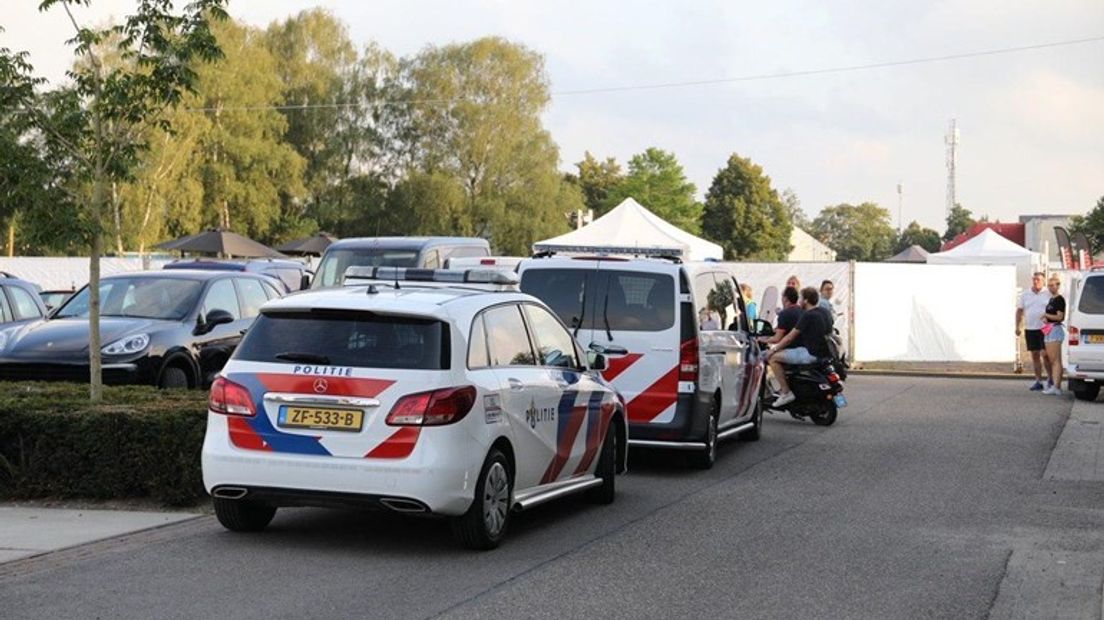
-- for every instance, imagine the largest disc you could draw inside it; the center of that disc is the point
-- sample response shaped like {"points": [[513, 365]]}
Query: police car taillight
{"points": [[435, 408], [688, 360], [229, 398]]}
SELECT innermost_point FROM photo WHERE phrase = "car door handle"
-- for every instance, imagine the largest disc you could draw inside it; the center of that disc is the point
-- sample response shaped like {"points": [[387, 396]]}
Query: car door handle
{"points": [[515, 385]]}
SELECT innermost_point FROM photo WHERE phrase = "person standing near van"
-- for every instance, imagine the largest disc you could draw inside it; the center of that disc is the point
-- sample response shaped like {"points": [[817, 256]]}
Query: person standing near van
{"points": [[794, 282], [1029, 311], [1054, 333], [750, 305]]}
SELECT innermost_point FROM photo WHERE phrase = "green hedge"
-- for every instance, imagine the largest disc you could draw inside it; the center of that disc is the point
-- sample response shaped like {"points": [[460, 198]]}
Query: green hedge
{"points": [[139, 442]]}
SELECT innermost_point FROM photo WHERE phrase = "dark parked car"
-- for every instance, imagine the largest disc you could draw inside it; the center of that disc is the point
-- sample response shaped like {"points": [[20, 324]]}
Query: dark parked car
{"points": [[423, 252], [291, 275], [19, 301], [171, 329]]}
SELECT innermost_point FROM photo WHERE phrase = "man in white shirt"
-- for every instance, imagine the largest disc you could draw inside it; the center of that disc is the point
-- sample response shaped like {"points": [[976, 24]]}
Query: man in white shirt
{"points": [[1030, 309]]}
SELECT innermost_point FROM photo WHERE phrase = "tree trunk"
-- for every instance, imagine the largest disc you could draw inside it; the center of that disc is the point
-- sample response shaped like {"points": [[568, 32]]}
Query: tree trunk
{"points": [[11, 236], [116, 207], [95, 391]]}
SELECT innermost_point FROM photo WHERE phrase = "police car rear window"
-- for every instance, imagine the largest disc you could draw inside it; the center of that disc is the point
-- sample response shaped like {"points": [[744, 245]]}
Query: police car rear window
{"points": [[629, 300], [355, 339], [1092, 296]]}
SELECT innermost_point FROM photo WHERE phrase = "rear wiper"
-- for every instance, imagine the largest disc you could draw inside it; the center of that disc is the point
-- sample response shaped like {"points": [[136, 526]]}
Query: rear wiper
{"points": [[582, 310], [605, 312], [309, 358]]}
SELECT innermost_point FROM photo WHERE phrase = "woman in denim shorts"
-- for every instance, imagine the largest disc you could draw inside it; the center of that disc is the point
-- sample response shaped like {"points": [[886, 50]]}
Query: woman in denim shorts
{"points": [[1054, 333]]}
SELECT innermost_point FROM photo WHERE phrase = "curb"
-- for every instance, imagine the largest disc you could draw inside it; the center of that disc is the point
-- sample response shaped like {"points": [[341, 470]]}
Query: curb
{"points": [[937, 374]]}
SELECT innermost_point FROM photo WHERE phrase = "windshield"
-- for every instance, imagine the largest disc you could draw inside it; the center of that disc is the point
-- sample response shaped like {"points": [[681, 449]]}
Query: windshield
{"points": [[335, 262], [145, 297], [342, 338]]}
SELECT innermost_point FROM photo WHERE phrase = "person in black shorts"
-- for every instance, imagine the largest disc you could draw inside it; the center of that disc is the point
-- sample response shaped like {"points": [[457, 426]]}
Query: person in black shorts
{"points": [[1030, 308]]}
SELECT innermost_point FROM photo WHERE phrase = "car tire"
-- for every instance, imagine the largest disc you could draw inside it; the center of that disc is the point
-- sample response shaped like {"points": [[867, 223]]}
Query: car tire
{"points": [[704, 459], [173, 378], [757, 419], [1085, 391], [606, 470], [484, 525], [826, 416], [238, 515]]}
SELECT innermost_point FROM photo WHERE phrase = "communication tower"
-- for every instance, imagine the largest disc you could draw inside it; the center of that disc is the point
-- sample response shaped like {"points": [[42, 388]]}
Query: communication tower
{"points": [[951, 140]]}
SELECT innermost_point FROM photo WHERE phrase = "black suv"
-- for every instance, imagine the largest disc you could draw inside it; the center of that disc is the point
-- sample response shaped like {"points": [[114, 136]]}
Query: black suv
{"points": [[290, 275], [172, 329], [423, 252]]}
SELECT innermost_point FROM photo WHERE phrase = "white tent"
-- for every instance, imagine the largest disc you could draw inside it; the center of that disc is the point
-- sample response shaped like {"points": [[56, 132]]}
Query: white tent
{"points": [[629, 225], [990, 248]]}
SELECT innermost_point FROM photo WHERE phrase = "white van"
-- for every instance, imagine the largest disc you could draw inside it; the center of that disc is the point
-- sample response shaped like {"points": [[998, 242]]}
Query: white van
{"points": [[1084, 349], [686, 378]]}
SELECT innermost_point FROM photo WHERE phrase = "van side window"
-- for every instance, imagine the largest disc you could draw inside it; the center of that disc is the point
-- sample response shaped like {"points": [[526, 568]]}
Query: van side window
{"points": [[432, 260], [507, 338], [477, 345]]}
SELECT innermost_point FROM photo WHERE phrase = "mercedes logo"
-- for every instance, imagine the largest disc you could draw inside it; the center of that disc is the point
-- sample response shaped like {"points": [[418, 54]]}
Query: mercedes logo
{"points": [[320, 385]]}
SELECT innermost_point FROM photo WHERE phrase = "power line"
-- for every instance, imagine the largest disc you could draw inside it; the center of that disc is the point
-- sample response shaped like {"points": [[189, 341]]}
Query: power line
{"points": [[690, 83]]}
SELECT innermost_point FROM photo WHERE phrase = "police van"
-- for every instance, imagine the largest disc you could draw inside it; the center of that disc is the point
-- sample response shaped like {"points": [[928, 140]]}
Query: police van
{"points": [[693, 372], [440, 392]]}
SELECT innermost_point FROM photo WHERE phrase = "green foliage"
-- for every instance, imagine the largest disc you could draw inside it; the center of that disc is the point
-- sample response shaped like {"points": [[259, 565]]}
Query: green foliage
{"points": [[138, 442], [959, 220], [657, 181], [797, 215], [1092, 225], [472, 111], [745, 215], [856, 232], [595, 180], [915, 234]]}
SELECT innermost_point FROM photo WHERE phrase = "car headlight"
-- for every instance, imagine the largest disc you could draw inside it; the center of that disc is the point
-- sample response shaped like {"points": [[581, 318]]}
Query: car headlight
{"points": [[128, 345]]}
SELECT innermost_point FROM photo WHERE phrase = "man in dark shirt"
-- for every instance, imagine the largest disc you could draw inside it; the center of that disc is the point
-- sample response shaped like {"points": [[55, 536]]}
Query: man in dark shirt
{"points": [[809, 334], [787, 318]]}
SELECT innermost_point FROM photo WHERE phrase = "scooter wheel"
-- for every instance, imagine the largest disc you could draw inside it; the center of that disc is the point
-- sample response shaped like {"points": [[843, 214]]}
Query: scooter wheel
{"points": [[826, 416]]}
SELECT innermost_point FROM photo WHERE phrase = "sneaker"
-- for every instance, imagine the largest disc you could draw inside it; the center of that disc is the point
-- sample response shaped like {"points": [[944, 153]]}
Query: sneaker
{"points": [[1037, 386], [1056, 392], [1050, 390], [784, 399]]}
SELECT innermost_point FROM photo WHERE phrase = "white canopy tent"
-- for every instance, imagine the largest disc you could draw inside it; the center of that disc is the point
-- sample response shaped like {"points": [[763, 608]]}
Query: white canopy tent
{"points": [[990, 248], [629, 225]]}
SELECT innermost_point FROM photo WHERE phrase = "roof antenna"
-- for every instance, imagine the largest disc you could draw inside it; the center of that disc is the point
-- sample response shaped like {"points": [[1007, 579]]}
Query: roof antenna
{"points": [[396, 279]]}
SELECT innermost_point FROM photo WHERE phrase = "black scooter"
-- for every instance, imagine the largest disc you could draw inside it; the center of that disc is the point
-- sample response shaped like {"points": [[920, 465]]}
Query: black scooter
{"points": [[817, 387]]}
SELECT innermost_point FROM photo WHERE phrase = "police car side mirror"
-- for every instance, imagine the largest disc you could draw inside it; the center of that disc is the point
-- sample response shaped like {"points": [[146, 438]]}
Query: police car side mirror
{"points": [[762, 328], [597, 362]]}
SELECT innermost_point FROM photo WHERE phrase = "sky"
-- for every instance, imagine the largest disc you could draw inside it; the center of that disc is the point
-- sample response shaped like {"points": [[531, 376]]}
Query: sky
{"points": [[1031, 124]]}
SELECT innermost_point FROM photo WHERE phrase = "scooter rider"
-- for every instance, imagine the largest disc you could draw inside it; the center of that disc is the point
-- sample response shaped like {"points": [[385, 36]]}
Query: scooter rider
{"points": [[787, 318], [810, 333]]}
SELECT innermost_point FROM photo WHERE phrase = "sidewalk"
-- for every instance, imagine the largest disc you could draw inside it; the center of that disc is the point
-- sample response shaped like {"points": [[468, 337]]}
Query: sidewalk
{"points": [[28, 531]]}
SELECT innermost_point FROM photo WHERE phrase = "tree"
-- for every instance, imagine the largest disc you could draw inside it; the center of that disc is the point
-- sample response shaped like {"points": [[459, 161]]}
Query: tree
{"points": [[472, 111], [101, 119], [744, 213], [797, 215], [856, 232], [959, 220], [595, 180], [1092, 224], [915, 234], [657, 181]]}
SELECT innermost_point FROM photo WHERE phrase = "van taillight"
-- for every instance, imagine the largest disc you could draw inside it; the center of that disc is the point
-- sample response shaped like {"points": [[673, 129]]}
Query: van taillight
{"points": [[435, 408], [1074, 336], [229, 398], [688, 360]]}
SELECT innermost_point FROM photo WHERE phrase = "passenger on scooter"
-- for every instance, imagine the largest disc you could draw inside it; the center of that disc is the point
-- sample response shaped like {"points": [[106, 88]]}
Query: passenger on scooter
{"points": [[809, 333], [787, 318]]}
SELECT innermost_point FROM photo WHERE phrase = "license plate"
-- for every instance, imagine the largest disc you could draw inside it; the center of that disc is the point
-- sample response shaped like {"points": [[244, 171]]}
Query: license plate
{"points": [[322, 419], [1095, 339], [841, 401]]}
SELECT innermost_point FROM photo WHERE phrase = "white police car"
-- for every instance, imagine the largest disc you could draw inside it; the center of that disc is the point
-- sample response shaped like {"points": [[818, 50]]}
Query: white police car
{"points": [[417, 391]]}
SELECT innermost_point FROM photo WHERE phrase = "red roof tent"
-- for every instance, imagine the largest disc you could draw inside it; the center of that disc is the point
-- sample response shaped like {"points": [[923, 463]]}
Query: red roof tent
{"points": [[1015, 233]]}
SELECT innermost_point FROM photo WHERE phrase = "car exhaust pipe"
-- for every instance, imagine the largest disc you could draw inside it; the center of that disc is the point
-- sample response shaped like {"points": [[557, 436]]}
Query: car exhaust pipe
{"points": [[403, 505], [230, 492]]}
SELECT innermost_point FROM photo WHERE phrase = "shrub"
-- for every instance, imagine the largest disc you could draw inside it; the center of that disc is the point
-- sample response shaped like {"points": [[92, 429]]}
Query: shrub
{"points": [[139, 442]]}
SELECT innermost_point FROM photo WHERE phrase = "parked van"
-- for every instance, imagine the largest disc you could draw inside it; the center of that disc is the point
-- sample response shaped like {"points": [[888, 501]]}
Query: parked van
{"points": [[691, 375], [423, 252], [1084, 354]]}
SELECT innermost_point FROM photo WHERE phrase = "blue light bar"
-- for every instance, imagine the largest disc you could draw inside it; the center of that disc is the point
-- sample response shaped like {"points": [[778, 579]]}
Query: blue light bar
{"points": [[448, 276]]}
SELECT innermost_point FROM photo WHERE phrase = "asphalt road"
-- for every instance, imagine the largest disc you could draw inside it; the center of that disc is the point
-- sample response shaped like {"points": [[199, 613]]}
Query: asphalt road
{"points": [[926, 499]]}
